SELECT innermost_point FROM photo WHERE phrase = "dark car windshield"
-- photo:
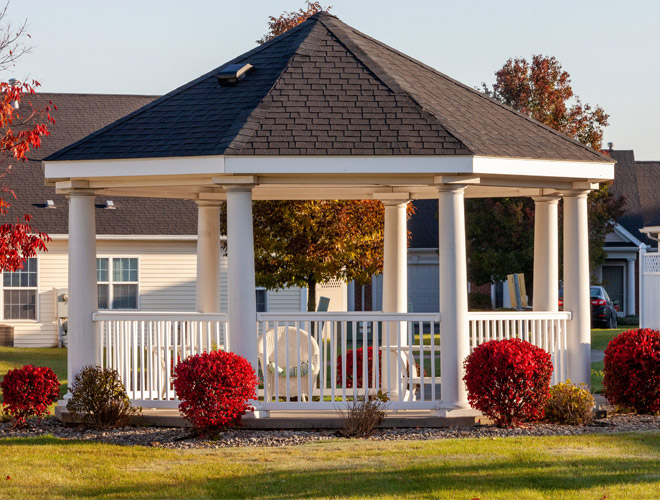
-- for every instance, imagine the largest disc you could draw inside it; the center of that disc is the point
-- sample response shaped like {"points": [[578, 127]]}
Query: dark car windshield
{"points": [[596, 292]]}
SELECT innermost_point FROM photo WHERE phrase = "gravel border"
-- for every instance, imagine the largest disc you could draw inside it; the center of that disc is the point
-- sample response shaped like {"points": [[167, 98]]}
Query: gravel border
{"points": [[181, 438]]}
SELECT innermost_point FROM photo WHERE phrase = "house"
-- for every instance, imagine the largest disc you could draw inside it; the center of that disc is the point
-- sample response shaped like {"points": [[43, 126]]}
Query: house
{"points": [[326, 112], [146, 247]]}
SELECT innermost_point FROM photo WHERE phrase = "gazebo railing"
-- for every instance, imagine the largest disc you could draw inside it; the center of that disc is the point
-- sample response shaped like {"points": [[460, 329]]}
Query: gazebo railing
{"points": [[314, 360], [352, 356], [546, 330], [144, 348]]}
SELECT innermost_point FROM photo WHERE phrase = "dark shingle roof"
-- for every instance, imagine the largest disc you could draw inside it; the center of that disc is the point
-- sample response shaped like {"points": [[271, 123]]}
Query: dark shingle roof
{"points": [[324, 88], [423, 225], [625, 184], [76, 116], [648, 179]]}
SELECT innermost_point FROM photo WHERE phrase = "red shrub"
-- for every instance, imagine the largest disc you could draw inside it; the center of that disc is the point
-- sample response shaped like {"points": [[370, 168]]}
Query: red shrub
{"points": [[508, 380], [28, 392], [214, 389], [632, 370], [359, 367]]}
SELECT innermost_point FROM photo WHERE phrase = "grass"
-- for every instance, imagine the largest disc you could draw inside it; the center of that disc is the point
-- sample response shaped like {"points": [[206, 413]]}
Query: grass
{"points": [[580, 467], [15, 357]]}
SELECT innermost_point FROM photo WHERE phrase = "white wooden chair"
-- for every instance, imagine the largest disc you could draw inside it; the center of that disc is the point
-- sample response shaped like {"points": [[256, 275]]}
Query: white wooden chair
{"points": [[276, 375]]}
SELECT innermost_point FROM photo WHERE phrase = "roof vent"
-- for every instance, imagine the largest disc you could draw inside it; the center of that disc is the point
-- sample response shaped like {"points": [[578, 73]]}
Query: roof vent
{"points": [[110, 205], [610, 145], [230, 75], [50, 204]]}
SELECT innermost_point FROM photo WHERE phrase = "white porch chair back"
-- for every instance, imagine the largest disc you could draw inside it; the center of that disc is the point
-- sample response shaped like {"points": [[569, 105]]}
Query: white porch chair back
{"points": [[299, 363]]}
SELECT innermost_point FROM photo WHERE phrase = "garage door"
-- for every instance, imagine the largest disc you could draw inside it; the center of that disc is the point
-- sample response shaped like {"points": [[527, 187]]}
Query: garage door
{"points": [[423, 293]]}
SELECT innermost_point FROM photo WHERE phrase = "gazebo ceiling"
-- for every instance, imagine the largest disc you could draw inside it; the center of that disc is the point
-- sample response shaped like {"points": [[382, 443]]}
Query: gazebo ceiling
{"points": [[324, 99]]}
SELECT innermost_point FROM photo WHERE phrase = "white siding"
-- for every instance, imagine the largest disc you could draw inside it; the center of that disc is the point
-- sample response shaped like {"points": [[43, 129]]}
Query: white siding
{"points": [[286, 300]]}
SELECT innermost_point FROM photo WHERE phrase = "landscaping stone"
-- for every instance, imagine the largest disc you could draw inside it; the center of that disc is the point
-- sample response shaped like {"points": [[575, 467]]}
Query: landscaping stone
{"points": [[181, 438]]}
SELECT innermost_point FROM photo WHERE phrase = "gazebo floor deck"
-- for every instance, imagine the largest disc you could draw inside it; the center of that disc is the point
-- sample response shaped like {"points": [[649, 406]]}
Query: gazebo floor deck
{"points": [[282, 419]]}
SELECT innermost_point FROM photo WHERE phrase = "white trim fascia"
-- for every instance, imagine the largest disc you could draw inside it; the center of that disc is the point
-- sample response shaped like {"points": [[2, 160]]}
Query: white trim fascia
{"points": [[133, 167], [618, 228], [353, 164], [543, 168], [650, 229], [136, 237]]}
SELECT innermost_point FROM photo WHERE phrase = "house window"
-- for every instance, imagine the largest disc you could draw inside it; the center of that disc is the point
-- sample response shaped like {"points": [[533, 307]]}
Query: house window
{"points": [[20, 291], [117, 282], [262, 300]]}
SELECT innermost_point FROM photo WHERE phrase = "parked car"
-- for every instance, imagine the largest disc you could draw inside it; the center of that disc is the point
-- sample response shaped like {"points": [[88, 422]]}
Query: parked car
{"points": [[603, 310]]}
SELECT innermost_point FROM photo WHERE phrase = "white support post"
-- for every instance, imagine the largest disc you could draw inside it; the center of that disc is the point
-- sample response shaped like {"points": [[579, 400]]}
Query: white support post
{"points": [[546, 254], [208, 257], [83, 341], [454, 338], [242, 302], [576, 286], [630, 303], [395, 283], [642, 290]]}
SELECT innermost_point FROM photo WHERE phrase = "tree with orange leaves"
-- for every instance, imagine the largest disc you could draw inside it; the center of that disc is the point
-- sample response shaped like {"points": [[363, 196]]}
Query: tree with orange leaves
{"points": [[21, 129], [288, 20], [540, 89]]}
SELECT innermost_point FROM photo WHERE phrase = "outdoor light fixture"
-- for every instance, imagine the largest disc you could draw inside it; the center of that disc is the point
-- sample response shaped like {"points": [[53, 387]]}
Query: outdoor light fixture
{"points": [[50, 204], [231, 74], [110, 205]]}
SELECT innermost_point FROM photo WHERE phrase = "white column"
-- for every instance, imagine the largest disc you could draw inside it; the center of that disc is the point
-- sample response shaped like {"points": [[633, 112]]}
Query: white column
{"points": [[630, 304], [395, 258], [242, 307], [395, 284], [453, 296], [83, 341], [546, 254], [576, 286], [208, 257]]}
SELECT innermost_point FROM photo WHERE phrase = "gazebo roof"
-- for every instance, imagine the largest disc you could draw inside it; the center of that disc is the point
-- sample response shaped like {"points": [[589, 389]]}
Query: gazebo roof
{"points": [[325, 89]]}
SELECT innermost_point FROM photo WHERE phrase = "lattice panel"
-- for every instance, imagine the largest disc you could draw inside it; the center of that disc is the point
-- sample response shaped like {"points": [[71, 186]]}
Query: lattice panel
{"points": [[332, 284], [652, 263]]}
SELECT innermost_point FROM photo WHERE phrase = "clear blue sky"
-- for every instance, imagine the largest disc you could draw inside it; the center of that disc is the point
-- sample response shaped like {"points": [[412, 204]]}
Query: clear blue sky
{"points": [[610, 48]]}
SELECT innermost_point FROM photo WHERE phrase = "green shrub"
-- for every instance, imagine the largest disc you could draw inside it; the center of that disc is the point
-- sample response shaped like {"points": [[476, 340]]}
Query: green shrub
{"points": [[479, 302], [628, 321], [570, 404], [99, 399]]}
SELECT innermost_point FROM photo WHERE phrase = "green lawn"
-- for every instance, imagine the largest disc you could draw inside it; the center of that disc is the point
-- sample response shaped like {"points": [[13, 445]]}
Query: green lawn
{"points": [[581, 467], [12, 357]]}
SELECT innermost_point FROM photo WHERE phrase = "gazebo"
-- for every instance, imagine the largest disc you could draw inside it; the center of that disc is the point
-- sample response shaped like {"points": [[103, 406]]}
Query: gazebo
{"points": [[326, 112]]}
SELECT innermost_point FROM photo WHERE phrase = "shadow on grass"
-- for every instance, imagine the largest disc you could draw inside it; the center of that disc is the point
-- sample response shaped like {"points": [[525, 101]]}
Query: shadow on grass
{"points": [[523, 474]]}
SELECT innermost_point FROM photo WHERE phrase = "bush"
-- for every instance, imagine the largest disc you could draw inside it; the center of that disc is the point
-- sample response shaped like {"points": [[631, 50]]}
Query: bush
{"points": [[99, 399], [570, 404], [632, 371], [479, 302], [28, 392], [359, 367], [628, 321], [361, 418], [214, 389], [508, 380]]}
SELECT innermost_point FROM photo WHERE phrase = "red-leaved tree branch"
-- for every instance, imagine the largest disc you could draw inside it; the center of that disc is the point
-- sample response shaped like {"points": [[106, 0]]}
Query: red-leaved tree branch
{"points": [[21, 129]]}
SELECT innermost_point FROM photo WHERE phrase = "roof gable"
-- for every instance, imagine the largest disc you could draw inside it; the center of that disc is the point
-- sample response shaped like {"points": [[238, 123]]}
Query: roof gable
{"points": [[324, 88]]}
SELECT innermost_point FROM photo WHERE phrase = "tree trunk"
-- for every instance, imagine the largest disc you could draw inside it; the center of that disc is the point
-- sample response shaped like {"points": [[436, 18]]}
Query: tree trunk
{"points": [[311, 295]]}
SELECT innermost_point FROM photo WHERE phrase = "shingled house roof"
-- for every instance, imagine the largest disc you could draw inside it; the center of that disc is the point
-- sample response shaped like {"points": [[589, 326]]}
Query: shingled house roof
{"points": [[324, 88], [639, 183], [78, 115]]}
